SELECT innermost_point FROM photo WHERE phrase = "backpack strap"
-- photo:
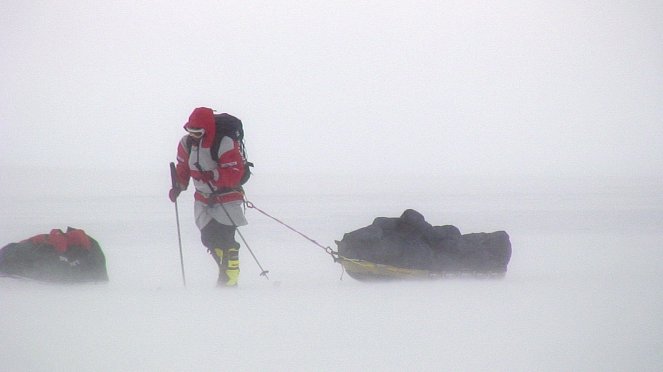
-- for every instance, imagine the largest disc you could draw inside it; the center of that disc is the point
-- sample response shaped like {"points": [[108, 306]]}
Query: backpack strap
{"points": [[214, 150]]}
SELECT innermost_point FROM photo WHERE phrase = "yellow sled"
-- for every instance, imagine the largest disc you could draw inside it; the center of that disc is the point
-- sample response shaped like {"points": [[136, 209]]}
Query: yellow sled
{"points": [[365, 270], [371, 271]]}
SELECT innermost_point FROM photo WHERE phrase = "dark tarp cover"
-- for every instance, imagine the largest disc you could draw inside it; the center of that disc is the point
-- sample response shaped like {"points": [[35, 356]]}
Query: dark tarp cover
{"points": [[64, 257], [409, 242]]}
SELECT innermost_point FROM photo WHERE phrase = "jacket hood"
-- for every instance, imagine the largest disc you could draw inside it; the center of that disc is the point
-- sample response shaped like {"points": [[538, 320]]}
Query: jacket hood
{"points": [[203, 118]]}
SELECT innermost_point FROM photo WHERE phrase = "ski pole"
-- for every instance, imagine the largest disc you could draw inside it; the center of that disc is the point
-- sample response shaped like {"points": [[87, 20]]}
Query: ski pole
{"points": [[173, 179], [263, 272]]}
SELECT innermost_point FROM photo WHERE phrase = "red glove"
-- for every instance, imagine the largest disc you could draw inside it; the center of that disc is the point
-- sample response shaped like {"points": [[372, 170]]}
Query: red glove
{"points": [[174, 193]]}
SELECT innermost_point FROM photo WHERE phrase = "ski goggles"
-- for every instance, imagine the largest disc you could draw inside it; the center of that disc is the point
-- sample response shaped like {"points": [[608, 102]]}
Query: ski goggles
{"points": [[195, 132]]}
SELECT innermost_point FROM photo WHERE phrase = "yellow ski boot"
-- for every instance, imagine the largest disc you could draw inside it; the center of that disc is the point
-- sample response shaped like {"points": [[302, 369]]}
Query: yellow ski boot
{"points": [[228, 261], [232, 267]]}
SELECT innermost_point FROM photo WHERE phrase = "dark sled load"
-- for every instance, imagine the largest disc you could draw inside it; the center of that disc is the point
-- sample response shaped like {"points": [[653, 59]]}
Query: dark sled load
{"points": [[410, 247], [63, 257]]}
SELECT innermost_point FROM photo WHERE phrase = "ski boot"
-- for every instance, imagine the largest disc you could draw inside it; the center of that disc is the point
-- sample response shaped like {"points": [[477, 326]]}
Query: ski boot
{"points": [[228, 262]]}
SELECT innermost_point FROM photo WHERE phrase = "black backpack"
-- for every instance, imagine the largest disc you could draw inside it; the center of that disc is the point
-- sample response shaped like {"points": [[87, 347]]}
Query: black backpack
{"points": [[228, 126]]}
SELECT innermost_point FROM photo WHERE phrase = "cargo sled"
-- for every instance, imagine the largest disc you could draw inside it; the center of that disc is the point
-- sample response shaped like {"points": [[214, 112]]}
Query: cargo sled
{"points": [[408, 247], [61, 257]]}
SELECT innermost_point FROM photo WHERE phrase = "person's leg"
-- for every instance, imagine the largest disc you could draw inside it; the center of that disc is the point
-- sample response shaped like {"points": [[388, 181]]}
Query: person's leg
{"points": [[221, 244]]}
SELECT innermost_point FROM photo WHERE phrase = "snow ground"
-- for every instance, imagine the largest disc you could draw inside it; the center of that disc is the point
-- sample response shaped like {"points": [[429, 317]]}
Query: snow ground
{"points": [[583, 291]]}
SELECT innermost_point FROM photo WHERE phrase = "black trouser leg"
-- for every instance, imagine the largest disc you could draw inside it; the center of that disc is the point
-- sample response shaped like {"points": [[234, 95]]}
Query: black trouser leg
{"points": [[221, 244]]}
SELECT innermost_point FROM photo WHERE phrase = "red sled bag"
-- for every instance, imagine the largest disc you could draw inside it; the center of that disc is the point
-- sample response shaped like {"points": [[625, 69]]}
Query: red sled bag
{"points": [[61, 257]]}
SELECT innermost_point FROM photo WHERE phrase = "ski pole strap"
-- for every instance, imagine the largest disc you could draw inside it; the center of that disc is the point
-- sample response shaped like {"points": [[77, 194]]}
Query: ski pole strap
{"points": [[328, 250]]}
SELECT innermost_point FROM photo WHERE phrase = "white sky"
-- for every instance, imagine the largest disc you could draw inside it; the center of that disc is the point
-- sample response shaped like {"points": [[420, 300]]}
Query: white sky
{"points": [[442, 87]]}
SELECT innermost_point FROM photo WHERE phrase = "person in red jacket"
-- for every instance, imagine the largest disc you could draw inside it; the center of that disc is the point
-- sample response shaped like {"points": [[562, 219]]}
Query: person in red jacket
{"points": [[219, 198]]}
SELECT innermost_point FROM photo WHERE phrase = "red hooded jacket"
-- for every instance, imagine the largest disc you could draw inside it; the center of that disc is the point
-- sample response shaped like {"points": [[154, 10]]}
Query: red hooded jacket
{"points": [[227, 171]]}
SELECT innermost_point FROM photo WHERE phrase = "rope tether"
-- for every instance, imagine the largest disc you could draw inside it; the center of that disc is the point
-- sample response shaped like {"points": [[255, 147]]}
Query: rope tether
{"points": [[328, 250]]}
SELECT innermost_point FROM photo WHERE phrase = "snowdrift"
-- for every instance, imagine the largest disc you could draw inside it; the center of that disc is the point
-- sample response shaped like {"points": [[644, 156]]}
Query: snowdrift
{"points": [[61, 257], [410, 247]]}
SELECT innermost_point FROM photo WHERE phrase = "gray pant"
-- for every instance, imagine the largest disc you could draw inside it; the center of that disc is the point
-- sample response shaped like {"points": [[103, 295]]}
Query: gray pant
{"points": [[205, 213]]}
